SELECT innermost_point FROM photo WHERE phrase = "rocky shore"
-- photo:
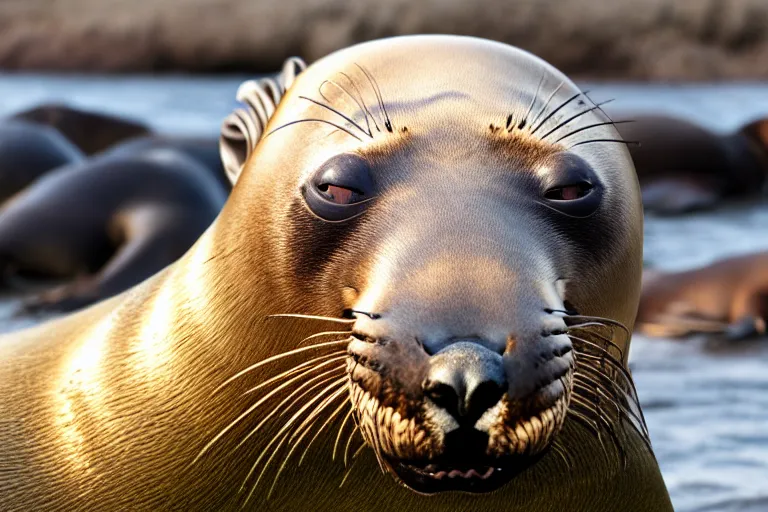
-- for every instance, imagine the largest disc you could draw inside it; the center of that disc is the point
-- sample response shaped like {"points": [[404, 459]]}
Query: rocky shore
{"points": [[616, 39]]}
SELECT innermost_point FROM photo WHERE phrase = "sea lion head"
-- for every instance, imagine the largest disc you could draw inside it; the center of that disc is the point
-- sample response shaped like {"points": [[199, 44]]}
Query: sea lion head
{"points": [[466, 207]]}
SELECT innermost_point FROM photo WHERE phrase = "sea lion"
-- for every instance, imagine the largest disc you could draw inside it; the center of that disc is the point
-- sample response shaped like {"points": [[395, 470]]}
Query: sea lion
{"points": [[107, 223], [728, 297], [91, 131], [203, 149], [683, 166], [428, 242], [28, 151]]}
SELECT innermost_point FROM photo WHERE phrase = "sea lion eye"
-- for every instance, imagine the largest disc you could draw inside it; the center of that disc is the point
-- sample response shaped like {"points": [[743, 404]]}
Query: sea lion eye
{"points": [[569, 192], [570, 185], [340, 188]]}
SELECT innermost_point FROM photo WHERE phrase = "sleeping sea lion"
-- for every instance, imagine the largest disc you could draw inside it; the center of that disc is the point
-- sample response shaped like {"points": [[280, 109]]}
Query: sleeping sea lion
{"points": [[90, 131], [27, 152], [683, 166], [106, 224], [728, 297]]}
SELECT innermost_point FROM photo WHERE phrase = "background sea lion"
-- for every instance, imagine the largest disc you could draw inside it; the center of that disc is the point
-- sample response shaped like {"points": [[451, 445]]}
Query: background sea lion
{"points": [[413, 200], [683, 166], [108, 223], [92, 132], [204, 150], [728, 297], [27, 151]]}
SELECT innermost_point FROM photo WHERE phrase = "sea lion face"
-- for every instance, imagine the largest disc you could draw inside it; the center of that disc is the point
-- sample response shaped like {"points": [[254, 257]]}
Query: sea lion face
{"points": [[459, 217]]}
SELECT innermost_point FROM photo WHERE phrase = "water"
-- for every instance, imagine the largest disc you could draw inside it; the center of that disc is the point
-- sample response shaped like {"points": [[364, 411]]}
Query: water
{"points": [[706, 404]]}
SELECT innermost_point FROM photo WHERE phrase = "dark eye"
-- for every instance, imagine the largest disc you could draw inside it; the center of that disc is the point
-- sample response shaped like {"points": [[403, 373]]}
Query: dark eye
{"points": [[570, 185], [340, 188]]}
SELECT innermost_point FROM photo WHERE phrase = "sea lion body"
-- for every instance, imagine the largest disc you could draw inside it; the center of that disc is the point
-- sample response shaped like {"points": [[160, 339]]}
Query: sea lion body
{"points": [[90, 131], [108, 223], [128, 405], [204, 150], [728, 297], [27, 152], [683, 166]]}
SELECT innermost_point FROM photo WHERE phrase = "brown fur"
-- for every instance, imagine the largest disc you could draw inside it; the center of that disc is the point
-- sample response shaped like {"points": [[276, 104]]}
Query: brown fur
{"points": [[110, 407]]}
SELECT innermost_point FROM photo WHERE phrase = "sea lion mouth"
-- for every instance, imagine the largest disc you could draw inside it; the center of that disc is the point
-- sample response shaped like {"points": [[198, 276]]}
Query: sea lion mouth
{"points": [[481, 475], [475, 459], [434, 478]]}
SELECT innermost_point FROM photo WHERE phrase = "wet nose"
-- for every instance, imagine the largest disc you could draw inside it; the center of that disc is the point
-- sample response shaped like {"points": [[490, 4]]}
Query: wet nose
{"points": [[465, 379]]}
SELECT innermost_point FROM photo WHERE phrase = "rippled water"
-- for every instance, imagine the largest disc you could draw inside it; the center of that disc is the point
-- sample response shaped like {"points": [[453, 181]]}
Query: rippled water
{"points": [[706, 403]]}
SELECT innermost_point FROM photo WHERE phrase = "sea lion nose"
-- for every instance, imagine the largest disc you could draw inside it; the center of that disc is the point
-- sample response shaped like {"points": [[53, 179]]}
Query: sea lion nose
{"points": [[465, 379]]}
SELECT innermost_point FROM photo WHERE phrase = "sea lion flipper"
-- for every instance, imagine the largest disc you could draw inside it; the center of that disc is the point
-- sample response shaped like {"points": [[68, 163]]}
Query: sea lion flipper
{"points": [[747, 327], [749, 312], [242, 129]]}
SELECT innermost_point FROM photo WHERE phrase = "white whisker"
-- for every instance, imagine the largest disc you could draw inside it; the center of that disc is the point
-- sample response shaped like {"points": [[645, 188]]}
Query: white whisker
{"points": [[281, 356]]}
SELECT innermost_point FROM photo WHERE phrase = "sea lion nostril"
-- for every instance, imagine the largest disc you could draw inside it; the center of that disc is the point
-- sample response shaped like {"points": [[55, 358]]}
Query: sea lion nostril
{"points": [[485, 396], [465, 379], [443, 395]]}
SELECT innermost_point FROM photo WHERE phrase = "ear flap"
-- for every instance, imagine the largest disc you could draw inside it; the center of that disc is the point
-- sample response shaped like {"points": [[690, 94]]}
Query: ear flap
{"points": [[244, 127]]}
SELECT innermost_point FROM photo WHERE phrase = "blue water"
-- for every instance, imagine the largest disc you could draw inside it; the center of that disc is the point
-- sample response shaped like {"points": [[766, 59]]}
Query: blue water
{"points": [[706, 406]]}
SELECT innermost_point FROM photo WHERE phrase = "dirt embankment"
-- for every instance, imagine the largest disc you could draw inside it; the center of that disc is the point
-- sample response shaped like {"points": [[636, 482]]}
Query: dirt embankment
{"points": [[619, 39]]}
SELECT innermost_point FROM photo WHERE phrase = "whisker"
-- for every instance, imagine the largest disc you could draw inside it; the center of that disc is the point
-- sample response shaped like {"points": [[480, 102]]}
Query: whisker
{"points": [[573, 117], [349, 442], [315, 317], [587, 422], [322, 334], [562, 453], [607, 424], [307, 372], [282, 434], [620, 408], [279, 408], [312, 120], [555, 111], [338, 436], [595, 125], [245, 414], [314, 415], [615, 362], [282, 356], [596, 346], [354, 460], [340, 114], [619, 141], [362, 107], [302, 368], [546, 103], [335, 395], [524, 120], [602, 320], [584, 367], [609, 341], [377, 91], [285, 433], [306, 426], [362, 99], [322, 427]]}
